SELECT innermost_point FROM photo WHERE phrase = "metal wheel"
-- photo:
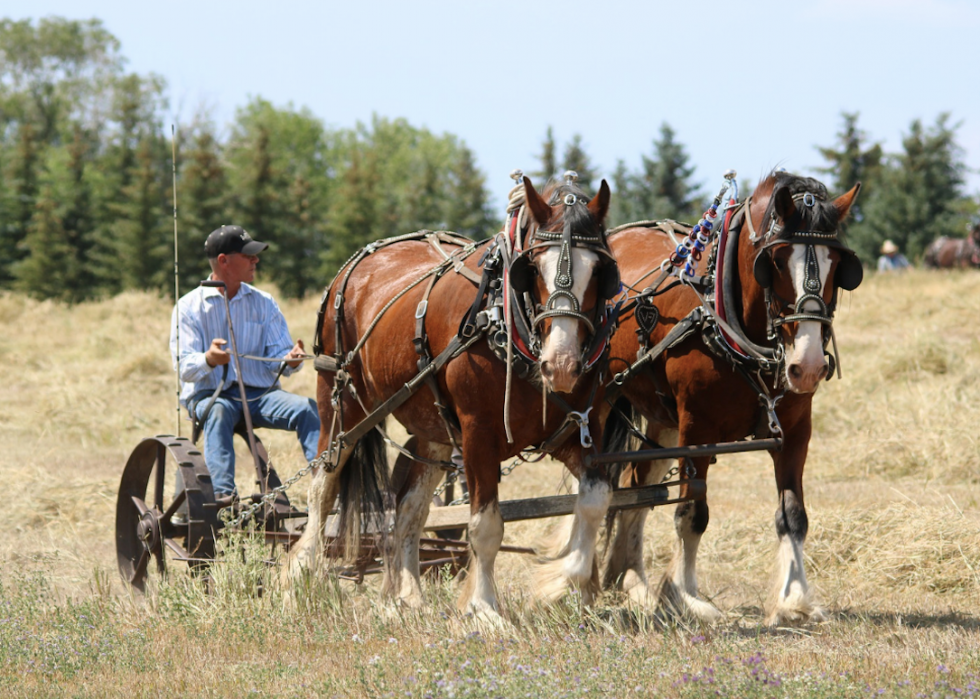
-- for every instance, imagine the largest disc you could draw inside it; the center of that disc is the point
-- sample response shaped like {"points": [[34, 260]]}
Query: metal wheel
{"points": [[145, 523]]}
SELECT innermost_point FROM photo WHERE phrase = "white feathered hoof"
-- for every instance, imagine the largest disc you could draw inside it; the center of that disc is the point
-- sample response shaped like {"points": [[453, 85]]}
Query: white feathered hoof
{"points": [[796, 611], [675, 603]]}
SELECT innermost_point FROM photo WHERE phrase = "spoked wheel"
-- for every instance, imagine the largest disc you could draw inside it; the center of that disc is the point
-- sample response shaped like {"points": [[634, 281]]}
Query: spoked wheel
{"points": [[145, 511]]}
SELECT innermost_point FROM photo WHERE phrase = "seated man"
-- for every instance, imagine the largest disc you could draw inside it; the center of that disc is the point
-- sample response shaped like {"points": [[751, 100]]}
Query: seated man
{"points": [[891, 259], [205, 362]]}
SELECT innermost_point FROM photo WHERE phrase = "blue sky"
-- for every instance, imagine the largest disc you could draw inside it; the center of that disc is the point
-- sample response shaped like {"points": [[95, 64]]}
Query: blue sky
{"points": [[745, 85]]}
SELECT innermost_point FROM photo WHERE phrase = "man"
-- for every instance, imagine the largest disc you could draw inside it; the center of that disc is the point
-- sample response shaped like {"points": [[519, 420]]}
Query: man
{"points": [[891, 259], [205, 362]]}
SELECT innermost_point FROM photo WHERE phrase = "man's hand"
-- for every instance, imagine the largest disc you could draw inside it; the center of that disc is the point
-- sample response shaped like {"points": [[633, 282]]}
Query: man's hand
{"points": [[216, 355], [296, 351]]}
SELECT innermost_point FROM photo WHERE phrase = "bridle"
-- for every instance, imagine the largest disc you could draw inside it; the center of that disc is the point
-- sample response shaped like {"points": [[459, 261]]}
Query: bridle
{"points": [[522, 269], [781, 311]]}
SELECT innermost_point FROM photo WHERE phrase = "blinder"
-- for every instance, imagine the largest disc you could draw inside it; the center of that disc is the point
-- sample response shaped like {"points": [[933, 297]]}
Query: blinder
{"points": [[850, 271], [522, 274], [609, 281]]}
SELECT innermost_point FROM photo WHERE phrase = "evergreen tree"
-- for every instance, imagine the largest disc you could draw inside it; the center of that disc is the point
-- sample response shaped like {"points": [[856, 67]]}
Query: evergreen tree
{"points": [[467, 208], [56, 263], [21, 185], [202, 201], [280, 176], [548, 159], [578, 160], [854, 161], [142, 229], [919, 196], [49, 266], [661, 189], [627, 204], [354, 217]]}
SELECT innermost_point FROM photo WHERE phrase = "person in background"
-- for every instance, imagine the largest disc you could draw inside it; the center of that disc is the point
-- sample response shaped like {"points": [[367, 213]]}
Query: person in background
{"points": [[205, 362], [891, 259]]}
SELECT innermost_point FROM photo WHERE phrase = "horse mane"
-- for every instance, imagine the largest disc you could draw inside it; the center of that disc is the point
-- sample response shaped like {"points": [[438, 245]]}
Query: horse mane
{"points": [[822, 216], [578, 215]]}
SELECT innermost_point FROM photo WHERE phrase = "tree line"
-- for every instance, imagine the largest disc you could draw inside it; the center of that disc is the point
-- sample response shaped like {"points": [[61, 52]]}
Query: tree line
{"points": [[86, 198]]}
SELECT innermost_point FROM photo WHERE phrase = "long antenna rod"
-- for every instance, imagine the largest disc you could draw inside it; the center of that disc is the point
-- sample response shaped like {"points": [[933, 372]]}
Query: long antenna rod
{"points": [[173, 162]]}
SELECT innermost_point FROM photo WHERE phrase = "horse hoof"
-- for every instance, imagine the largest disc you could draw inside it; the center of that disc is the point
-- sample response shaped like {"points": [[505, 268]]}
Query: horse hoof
{"points": [[796, 616], [681, 605]]}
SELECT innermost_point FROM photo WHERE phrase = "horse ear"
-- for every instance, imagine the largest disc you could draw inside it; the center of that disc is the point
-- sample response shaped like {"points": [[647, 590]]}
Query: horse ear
{"points": [[784, 205], [599, 205], [540, 211], [845, 201]]}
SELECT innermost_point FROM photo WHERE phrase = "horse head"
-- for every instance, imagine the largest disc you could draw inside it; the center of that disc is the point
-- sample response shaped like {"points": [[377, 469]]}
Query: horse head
{"points": [[569, 273], [796, 267]]}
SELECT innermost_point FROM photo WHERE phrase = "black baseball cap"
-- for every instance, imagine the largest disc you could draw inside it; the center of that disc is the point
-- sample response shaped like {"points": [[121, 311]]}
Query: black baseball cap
{"points": [[229, 239]]}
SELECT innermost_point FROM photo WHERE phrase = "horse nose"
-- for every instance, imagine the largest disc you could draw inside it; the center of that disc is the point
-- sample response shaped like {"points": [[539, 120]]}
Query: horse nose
{"points": [[806, 381], [547, 369], [575, 369]]}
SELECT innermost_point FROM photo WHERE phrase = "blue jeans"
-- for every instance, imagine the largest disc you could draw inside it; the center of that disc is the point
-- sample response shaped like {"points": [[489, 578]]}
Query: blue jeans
{"points": [[277, 409]]}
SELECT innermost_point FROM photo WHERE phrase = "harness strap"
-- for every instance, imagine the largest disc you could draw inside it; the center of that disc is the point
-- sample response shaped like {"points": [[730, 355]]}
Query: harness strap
{"points": [[574, 420], [453, 349], [683, 329], [445, 237]]}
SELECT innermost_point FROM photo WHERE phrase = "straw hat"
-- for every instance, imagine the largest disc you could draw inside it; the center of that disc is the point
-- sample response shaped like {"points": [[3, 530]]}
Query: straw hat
{"points": [[888, 248]]}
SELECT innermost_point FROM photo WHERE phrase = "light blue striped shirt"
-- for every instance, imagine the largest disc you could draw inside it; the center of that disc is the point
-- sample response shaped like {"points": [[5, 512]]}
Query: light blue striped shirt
{"points": [[260, 330]]}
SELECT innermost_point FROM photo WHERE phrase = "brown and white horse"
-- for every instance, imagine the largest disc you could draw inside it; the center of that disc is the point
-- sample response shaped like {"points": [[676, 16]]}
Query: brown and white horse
{"points": [[781, 274], [954, 253], [565, 268]]}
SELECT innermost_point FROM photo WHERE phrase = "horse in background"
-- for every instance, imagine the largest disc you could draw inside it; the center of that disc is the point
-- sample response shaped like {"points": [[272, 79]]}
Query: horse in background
{"points": [[564, 276], [780, 266], [954, 253]]}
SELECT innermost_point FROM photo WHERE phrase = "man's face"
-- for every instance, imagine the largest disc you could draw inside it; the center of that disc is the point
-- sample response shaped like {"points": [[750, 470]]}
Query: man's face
{"points": [[241, 267]]}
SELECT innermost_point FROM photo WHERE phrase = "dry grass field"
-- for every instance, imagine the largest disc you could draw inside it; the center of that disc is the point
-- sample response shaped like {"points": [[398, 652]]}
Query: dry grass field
{"points": [[894, 546]]}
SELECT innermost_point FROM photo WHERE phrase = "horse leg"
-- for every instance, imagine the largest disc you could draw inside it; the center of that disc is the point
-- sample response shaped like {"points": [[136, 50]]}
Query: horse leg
{"points": [[304, 557], [402, 576], [624, 568], [679, 587], [486, 529], [575, 567], [791, 599]]}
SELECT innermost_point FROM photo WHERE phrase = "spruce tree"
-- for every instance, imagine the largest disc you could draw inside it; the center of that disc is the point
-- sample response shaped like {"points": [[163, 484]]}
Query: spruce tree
{"points": [[202, 201], [142, 232], [48, 264], [21, 184], [920, 194], [854, 160], [577, 159], [667, 177], [467, 207], [548, 160]]}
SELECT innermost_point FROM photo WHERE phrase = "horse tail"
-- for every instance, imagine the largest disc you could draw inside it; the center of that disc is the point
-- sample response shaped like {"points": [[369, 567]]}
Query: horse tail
{"points": [[616, 433], [364, 495], [616, 436]]}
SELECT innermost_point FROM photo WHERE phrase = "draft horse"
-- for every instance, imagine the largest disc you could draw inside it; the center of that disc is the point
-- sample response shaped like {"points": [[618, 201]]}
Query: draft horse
{"points": [[954, 253], [380, 325], [738, 352]]}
